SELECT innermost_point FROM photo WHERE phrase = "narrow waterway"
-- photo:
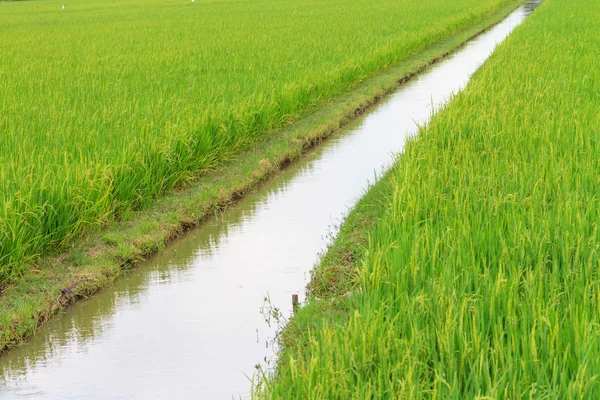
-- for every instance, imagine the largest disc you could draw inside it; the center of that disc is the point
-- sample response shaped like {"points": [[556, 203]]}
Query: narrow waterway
{"points": [[188, 323]]}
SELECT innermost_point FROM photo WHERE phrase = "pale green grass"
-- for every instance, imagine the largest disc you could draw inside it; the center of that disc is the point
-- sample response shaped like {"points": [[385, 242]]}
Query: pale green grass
{"points": [[481, 278], [105, 105]]}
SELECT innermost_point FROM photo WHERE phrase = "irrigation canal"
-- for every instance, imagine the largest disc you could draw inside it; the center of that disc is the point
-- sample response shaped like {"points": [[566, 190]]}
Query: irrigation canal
{"points": [[187, 324]]}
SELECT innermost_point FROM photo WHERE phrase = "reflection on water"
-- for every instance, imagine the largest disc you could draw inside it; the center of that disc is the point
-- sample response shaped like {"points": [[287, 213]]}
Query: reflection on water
{"points": [[187, 324], [531, 5]]}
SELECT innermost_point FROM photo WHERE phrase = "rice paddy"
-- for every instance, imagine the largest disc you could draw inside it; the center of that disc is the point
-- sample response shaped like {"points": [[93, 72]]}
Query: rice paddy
{"points": [[106, 105], [479, 277]]}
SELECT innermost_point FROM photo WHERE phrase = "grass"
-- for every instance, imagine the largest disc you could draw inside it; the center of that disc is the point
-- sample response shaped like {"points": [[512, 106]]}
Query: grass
{"points": [[104, 253], [107, 105], [478, 271]]}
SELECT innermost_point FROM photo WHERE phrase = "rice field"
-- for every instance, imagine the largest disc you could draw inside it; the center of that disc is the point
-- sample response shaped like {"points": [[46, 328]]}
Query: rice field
{"points": [[480, 278], [105, 105]]}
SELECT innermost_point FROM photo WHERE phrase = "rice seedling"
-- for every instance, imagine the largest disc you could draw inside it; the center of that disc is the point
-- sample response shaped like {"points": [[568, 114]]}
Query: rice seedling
{"points": [[105, 105], [480, 279]]}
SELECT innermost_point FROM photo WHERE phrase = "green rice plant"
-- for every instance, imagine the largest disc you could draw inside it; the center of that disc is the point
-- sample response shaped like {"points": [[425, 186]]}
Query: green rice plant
{"points": [[481, 278], [105, 105]]}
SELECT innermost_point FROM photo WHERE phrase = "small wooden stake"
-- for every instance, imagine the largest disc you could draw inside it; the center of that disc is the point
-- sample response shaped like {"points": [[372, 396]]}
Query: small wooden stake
{"points": [[295, 302]]}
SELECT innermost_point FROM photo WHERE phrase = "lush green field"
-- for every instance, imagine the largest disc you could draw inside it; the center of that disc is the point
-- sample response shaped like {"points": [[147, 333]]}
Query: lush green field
{"points": [[481, 277], [104, 105]]}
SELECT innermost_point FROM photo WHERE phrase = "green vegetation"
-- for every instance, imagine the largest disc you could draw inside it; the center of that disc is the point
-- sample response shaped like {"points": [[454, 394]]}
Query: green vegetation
{"points": [[106, 105], [105, 252], [479, 277]]}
